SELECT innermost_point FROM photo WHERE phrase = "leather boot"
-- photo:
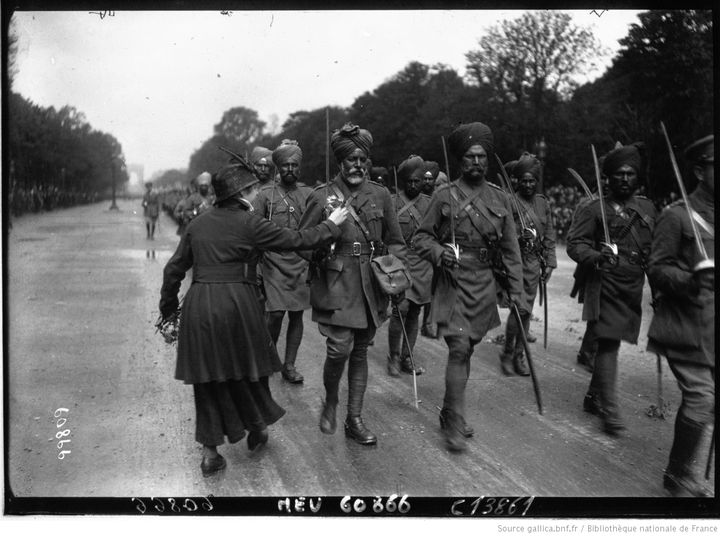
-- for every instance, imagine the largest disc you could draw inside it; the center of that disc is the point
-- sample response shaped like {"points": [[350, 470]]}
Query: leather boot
{"points": [[357, 382], [453, 431], [586, 361], [466, 431], [679, 478], [519, 365], [393, 365], [592, 405], [506, 364], [290, 373], [407, 367], [332, 372]]}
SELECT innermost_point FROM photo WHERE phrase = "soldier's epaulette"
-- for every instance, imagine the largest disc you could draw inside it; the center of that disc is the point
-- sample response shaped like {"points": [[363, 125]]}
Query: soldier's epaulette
{"points": [[424, 195], [676, 203], [495, 186], [375, 185], [541, 196], [266, 187], [443, 187], [320, 186], [641, 197]]}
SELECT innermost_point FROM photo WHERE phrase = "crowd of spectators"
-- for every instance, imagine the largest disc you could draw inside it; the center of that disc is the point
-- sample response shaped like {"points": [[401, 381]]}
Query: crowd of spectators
{"points": [[39, 198]]}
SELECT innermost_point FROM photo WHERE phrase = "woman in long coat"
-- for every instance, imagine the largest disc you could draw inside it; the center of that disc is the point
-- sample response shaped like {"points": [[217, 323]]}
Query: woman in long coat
{"points": [[224, 348]]}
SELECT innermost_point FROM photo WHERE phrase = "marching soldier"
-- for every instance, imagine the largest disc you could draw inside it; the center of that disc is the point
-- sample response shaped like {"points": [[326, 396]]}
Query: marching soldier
{"points": [[410, 205], [347, 302], [151, 209], [261, 161], [683, 327], [537, 246], [284, 273], [429, 184], [196, 203], [476, 215], [614, 284]]}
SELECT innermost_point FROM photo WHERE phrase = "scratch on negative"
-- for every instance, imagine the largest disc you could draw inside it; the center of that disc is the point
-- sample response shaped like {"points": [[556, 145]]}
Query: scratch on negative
{"points": [[272, 19]]}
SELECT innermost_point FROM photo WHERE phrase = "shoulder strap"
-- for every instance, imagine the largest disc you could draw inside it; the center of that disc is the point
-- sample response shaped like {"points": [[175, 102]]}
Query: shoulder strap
{"points": [[709, 229], [351, 210]]}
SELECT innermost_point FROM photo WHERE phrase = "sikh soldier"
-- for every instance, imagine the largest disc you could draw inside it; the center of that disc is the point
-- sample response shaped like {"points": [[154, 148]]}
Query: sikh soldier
{"points": [[196, 203], [411, 205], [346, 300], [683, 327], [379, 175], [261, 161], [151, 209], [537, 247], [429, 183], [284, 274], [614, 286], [464, 303]]}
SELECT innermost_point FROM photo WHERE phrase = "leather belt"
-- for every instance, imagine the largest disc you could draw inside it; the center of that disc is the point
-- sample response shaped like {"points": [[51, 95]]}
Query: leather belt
{"points": [[354, 249], [231, 272]]}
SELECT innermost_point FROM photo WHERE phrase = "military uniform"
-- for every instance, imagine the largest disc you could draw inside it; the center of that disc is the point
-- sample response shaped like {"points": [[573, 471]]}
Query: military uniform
{"points": [[612, 296], [410, 213], [537, 215], [284, 273], [347, 302], [464, 301], [683, 326], [191, 207]]}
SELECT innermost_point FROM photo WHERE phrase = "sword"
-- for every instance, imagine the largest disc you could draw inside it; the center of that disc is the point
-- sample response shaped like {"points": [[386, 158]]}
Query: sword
{"points": [[452, 244], [523, 336], [543, 287], [706, 262], [584, 186], [412, 361], [603, 216]]}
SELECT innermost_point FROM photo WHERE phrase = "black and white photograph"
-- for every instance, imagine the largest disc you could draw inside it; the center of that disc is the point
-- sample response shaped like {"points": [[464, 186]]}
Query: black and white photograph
{"points": [[399, 263]]}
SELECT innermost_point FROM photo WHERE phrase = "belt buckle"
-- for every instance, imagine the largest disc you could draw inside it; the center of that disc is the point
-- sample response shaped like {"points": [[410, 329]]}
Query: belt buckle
{"points": [[356, 249], [634, 257], [483, 254]]}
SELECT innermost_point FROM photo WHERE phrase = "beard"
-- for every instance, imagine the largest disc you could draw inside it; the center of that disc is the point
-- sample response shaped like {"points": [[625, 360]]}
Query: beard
{"points": [[354, 177]]}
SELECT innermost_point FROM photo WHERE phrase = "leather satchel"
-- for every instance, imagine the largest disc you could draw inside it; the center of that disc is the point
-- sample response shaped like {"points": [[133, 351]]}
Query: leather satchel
{"points": [[391, 274]]}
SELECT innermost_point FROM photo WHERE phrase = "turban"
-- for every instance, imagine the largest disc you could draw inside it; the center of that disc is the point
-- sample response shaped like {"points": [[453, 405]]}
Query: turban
{"points": [[527, 163], [409, 166], [441, 179], [620, 156], [469, 134], [510, 167], [258, 153], [378, 172], [702, 150], [203, 178], [287, 151], [433, 168], [349, 138]]}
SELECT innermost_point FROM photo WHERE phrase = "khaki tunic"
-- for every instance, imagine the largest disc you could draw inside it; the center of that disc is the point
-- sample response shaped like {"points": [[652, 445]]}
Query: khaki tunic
{"points": [[410, 214], [464, 299], [683, 326], [343, 290], [284, 273]]}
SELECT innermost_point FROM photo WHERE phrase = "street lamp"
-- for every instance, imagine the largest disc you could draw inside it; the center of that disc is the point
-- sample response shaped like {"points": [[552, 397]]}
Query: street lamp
{"points": [[541, 152]]}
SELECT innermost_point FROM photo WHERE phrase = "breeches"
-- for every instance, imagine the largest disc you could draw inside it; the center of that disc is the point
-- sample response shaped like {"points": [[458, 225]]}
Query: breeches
{"points": [[697, 385]]}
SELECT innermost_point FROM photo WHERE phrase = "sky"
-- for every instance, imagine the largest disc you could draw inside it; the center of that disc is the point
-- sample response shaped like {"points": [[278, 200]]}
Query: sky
{"points": [[159, 81]]}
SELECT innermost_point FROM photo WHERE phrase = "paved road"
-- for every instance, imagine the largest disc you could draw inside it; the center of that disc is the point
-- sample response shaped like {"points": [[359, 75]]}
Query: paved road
{"points": [[83, 287]]}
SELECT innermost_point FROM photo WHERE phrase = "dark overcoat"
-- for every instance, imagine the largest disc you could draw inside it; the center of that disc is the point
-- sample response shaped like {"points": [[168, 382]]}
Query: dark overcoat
{"points": [[223, 334], [613, 295]]}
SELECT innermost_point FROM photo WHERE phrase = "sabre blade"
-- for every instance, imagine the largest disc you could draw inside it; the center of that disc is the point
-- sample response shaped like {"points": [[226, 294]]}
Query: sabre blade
{"points": [[603, 216], [696, 233]]}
